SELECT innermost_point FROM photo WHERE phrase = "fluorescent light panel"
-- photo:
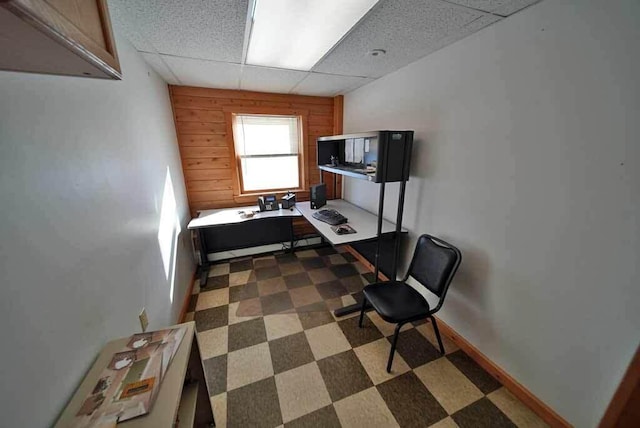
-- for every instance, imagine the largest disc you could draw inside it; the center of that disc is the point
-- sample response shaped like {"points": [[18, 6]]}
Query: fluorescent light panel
{"points": [[295, 34]]}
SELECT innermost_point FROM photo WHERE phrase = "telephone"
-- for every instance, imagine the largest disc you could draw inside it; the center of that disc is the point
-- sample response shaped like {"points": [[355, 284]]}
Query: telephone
{"points": [[268, 203]]}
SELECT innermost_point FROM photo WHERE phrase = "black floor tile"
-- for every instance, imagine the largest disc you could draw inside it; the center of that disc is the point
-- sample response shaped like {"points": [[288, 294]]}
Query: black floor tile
{"points": [[482, 414], [267, 272], [344, 270], [212, 318], [254, 405], [326, 251], [415, 348], [247, 333], [359, 336], [240, 265], [217, 282], [215, 371], [297, 280], [332, 289], [290, 352], [243, 292], [312, 263], [353, 283], [349, 257], [313, 319], [263, 263], [275, 303], [410, 402], [193, 301], [479, 376], [343, 375], [325, 418]]}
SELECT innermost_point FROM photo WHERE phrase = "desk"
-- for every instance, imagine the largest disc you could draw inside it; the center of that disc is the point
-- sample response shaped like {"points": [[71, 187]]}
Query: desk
{"points": [[364, 222], [365, 225], [225, 229], [190, 400]]}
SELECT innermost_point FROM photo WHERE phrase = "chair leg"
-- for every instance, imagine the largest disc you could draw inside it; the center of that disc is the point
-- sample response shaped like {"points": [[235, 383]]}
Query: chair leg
{"points": [[364, 306], [435, 329], [393, 347]]}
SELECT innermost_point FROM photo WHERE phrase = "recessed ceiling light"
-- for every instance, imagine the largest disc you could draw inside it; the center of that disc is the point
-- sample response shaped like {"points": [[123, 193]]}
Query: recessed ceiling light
{"points": [[295, 34]]}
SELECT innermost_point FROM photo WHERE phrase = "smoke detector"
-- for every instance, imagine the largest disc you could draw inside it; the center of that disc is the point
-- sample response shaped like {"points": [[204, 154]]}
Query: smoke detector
{"points": [[376, 52]]}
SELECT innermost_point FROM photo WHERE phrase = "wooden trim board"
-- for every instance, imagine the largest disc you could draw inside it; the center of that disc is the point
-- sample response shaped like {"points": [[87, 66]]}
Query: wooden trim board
{"points": [[624, 402], [545, 412]]}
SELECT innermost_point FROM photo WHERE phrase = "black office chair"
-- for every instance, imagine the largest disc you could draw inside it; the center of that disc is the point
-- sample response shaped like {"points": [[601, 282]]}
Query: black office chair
{"points": [[433, 265]]}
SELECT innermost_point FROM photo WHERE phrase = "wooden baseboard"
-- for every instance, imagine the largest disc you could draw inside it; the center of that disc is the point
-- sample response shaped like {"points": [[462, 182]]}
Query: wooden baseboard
{"points": [[545, 412], [365, 262], [623, 410], [187, 298]]}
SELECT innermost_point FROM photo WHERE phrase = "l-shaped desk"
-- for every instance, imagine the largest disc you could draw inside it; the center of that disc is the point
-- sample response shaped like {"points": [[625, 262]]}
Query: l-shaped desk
{"points": [[225, 229]]}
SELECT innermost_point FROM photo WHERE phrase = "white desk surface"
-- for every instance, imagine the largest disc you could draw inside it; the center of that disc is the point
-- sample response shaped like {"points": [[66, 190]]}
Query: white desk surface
{"points": [[163, 411], [364, 222], [224, 216]]}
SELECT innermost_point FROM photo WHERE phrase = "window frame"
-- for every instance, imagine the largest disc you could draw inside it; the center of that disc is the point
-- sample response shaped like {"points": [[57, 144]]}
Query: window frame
{"points": [[236, 163]]}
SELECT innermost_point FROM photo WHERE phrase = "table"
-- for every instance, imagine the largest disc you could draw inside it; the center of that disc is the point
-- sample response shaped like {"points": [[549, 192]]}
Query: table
{"points": [[364, 223], [225, 229], [189, 400]]}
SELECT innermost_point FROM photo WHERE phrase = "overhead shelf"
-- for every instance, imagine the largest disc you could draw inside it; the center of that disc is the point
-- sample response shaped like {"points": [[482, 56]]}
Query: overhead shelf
{"points": [[378, 157], [349, 172]]}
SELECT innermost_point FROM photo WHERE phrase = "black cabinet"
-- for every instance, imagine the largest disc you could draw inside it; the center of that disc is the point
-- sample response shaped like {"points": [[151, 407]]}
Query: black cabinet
{"points": [[379, 156]]}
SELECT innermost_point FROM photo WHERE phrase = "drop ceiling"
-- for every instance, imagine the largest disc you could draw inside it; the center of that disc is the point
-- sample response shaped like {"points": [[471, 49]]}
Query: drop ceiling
{"points": [[203, 43]]}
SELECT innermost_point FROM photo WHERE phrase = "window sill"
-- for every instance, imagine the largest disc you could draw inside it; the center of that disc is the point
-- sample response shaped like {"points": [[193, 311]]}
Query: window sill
{"points": [[270, 192]]}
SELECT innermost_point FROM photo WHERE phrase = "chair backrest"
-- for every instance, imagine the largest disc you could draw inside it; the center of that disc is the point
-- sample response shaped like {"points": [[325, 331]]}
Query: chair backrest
{"points": [[434, 264]]}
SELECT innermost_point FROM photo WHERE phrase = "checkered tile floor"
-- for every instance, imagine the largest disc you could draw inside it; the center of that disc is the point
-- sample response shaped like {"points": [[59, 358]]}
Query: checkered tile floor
{"points": [[275, 355]]}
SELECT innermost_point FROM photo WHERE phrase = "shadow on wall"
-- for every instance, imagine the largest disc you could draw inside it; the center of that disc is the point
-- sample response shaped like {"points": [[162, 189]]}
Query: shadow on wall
{"points": [[419, 202], [467, 298], [169, 231]]}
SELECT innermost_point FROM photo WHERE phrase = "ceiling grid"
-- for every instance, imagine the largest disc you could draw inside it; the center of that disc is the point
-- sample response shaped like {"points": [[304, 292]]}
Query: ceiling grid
{"points": [[205, 44]]}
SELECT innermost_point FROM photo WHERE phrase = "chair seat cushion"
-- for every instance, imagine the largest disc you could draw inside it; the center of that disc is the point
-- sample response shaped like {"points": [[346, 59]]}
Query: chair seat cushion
{"points": [[396, 301]]}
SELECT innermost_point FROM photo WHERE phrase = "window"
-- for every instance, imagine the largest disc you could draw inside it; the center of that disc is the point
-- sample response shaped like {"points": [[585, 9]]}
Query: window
{"points": [[267, 152]]}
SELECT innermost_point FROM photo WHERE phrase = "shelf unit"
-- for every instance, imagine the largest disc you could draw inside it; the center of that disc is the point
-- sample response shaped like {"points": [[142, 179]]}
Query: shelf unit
{"points": [[379, 157]]}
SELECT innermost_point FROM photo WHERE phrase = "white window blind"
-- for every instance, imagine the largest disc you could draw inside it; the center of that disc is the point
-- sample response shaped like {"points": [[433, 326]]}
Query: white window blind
{"points": [[268, 150]]}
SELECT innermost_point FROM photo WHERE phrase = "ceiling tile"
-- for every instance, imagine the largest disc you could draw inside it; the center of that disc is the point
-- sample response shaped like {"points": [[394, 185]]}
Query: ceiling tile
{"points": [[485, 5], [404, 28], [328, 84], [160, 67], [468, 29], [208, 74], [212, 29], [124, 24], [514, 6], [500, 7], [267, 79]]}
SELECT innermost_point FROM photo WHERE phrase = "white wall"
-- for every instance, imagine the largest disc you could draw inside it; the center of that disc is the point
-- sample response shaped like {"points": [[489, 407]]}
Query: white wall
{"points": [[83, 166], [526, 157]]}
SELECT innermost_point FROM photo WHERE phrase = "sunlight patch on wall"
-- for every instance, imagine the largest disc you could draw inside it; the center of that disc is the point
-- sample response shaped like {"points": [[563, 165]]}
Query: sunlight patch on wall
{"points": [[168, 232]]}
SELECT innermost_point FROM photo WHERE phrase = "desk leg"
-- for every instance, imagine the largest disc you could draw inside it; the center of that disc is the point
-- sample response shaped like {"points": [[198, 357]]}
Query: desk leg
{"points": [[350, 309], [293, 238], [346, 310], [204, 262]]}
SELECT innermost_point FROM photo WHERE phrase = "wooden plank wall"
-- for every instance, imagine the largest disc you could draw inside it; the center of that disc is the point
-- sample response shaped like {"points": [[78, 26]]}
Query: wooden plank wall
{"points": [[202, 119]]}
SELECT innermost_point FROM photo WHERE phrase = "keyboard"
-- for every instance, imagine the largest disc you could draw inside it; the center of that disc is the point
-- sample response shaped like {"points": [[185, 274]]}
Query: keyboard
{"points": [[330, 216]]}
